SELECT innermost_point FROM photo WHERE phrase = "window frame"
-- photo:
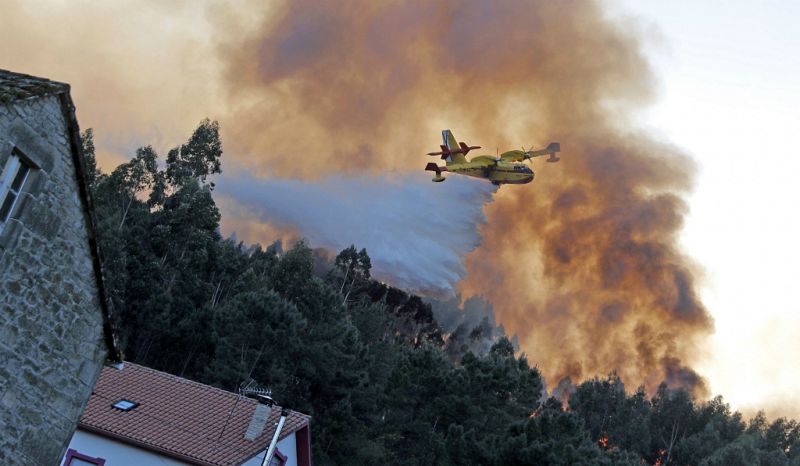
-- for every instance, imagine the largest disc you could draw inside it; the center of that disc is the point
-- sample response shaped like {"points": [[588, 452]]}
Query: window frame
{"points": [[280, 457], [8, 178], [44, 160], [72, 453]]}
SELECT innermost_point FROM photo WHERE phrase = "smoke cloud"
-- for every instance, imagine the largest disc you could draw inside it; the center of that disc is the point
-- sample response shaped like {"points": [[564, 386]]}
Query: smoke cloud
{"points": [[415, 239], [582, 265], [468, 325]]}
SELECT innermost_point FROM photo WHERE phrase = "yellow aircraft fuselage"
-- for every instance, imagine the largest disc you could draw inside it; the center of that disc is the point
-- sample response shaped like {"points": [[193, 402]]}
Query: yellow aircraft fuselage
{"points": [[505, 169], [497, 173]]}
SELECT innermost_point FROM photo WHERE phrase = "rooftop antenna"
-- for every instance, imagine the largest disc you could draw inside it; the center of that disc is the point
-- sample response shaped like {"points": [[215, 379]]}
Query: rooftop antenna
{"points": [[266, 403], [262, 395]]}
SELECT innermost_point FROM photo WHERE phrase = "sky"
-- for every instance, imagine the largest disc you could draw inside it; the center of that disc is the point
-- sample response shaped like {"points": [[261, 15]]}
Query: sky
{"points": [[728, 95]]}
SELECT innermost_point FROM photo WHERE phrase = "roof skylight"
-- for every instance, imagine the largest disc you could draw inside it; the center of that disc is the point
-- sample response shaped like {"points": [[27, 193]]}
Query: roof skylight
{"points": [[125, 405]]}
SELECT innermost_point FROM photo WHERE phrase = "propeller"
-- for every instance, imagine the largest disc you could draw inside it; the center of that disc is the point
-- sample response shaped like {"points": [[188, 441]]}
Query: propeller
{"points": [[526, 154]]}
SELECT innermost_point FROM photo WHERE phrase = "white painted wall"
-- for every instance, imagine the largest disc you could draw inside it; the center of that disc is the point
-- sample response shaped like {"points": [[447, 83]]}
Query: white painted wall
{"points": [[120, 454], [117, 453]]}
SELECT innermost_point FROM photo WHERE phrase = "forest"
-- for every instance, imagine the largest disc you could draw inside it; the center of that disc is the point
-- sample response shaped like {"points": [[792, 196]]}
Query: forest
{"points": [[384, 381]]}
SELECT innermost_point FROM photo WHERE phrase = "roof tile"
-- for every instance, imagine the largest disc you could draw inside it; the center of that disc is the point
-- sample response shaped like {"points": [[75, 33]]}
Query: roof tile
{"points": [[179, 417]]}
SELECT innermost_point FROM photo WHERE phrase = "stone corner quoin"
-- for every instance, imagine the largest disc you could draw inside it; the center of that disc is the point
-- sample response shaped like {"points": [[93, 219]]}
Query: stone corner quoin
{"points": [[52, 343]]}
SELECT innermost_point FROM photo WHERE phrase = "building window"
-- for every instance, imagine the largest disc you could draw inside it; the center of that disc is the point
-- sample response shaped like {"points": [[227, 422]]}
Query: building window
{"points": [[12, 179], [277, 460], [74, 458]]}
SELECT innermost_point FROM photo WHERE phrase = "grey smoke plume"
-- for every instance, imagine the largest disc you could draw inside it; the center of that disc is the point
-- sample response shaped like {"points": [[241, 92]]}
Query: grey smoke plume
{"points": [[451, 313], [416, 232], [468, 326]]}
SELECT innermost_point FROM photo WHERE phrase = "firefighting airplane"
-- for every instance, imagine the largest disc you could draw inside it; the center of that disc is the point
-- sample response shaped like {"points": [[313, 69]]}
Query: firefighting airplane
{"points": [[505, 169]]}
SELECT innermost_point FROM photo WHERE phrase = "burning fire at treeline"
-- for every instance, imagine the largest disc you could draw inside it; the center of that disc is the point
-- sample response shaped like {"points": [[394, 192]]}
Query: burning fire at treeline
{"points": [[583, 263]]}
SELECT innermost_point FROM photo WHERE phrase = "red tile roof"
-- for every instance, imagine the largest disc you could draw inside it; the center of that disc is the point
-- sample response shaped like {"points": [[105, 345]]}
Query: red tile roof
{"points": [[178, 417]]}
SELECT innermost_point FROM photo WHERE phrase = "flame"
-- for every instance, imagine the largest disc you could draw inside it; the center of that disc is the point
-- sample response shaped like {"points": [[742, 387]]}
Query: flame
{"points": [[660, 460], [565, 401], [583, 265]]}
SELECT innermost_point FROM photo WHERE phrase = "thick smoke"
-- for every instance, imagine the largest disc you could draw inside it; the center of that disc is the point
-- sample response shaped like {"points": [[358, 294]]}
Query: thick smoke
{"points": [[583, 263], [140, 72], [415, 238], [468, 326]]}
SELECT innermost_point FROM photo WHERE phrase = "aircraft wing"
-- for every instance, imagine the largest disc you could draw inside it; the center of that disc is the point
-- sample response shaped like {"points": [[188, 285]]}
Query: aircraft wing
{"points": [[512, 156], [484, 160]]}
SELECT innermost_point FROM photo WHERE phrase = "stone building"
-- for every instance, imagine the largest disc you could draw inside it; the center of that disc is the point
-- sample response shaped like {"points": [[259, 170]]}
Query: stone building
{"points": [[55, 331]]}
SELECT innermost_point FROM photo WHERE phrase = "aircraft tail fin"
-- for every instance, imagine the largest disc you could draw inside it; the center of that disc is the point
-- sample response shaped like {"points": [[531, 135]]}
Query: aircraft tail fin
{"points": [[456, 155], [550, 150], [452, 151]]}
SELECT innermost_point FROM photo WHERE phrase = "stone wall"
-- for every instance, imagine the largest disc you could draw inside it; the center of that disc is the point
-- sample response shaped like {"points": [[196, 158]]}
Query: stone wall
{"points": [[51, 334]]}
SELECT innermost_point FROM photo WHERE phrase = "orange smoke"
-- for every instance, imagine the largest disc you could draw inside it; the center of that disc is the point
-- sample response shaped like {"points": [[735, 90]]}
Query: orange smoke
{"points": [[582, 264]]}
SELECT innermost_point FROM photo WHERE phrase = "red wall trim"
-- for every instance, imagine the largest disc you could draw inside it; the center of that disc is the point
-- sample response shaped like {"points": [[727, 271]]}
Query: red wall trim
{"points": [[303, 438], [74, 454], [281, 456]]}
